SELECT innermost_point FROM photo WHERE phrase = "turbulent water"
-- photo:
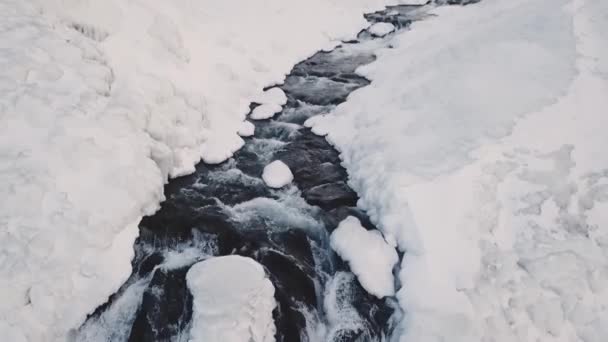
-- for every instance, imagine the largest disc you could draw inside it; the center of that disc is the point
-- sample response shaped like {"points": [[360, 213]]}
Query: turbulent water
{"points": [[227, 209]]}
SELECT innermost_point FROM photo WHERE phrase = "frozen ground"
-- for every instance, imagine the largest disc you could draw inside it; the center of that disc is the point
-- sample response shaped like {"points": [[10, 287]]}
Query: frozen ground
{"points": [[100, 101], [479, 149]]}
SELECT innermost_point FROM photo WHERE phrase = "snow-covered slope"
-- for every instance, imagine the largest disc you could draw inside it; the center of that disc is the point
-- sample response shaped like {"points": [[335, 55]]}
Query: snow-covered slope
{"points": [[100, 101], [479, 150]]}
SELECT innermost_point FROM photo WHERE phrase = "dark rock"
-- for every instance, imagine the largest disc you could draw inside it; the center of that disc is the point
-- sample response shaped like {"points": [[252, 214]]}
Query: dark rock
{"points": [[306, 154], [166, 307], [288, 320], [296, 243], [248, 162], [330, 196], [337, 215], [308, 177], [231, 187], [290, 276]]}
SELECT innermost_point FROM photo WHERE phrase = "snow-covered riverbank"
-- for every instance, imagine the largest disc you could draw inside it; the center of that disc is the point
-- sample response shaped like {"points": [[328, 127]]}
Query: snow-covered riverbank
{"points": [[479, 150]]}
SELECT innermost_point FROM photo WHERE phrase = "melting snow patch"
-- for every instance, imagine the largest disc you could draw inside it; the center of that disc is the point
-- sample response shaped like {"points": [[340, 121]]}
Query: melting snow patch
{"points": [[369, 256], [381, 29], [232, 301], [277, 174]]}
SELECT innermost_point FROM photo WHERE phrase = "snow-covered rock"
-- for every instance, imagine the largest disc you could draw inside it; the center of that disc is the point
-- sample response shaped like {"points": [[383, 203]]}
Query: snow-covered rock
{"points": [[265, 111], [370, 258], [274, 95], [270, 102], [277, 174], [381, 29], [232, 301]]}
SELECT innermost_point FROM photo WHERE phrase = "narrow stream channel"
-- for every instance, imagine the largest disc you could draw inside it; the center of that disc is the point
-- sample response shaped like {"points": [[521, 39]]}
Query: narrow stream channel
{"points": [[227, 209]]}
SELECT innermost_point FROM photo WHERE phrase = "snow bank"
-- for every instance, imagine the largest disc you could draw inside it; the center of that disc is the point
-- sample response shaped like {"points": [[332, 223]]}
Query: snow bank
{"points": [[277, 174], [100, 101], [485, 165], [232, 301], [370, 258]]}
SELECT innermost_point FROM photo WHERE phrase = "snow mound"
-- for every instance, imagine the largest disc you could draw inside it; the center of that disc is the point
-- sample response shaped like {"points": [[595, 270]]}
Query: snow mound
{"points": [[232, 301], [273, 95], [265, 111], [247, 129], [370, 258], [277, 174], [381, 29], [271, 102]]}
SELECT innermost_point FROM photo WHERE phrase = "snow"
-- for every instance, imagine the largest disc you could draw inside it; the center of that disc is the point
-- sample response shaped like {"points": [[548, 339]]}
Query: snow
{"points": [[370, 258], [481, 156], [232, 301], [277, 174], [381, 29], [101, 102], [265, 111], [271, 102], [247, 129], [273, 95]]}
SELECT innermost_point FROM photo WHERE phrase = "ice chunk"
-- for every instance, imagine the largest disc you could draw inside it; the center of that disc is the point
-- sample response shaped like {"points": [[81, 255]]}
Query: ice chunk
{"points": [[369, 256], [232, 301], [381, 29], [277, 174]]}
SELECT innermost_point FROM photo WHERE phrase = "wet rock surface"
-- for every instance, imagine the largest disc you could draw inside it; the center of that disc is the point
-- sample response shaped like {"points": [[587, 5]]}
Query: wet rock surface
{"points": [[227, 209], [166, 307]]}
